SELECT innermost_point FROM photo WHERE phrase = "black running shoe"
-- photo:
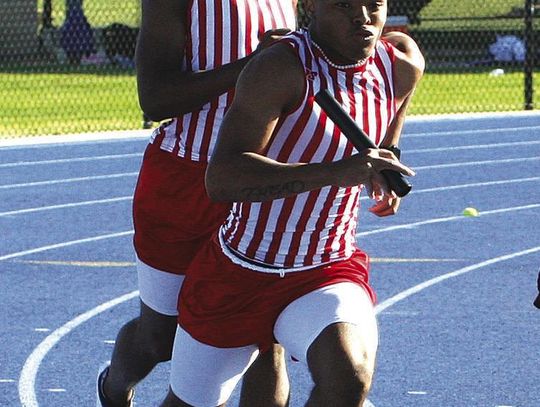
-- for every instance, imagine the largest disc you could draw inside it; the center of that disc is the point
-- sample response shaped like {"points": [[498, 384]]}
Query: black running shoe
{"points": [[101, 398]]}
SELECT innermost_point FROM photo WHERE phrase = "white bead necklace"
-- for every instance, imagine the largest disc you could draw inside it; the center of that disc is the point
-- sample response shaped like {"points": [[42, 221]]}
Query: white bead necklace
{"points": [[333, 65]]}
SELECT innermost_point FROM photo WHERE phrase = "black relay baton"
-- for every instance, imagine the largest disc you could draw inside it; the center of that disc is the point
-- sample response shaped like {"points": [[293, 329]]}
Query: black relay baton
{"points": [[396, 181]]}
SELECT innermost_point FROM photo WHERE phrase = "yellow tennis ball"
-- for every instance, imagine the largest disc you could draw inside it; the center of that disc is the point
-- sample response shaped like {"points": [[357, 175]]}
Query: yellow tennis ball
{"points": [[470, 211]]}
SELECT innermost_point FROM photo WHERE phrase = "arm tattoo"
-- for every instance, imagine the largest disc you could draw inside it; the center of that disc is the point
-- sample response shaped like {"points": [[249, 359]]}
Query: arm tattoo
{"points": [[267, 192]]}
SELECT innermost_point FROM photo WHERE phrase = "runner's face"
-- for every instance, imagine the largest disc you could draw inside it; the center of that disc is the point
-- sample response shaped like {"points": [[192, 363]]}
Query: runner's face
{"points": [[347, 29]]}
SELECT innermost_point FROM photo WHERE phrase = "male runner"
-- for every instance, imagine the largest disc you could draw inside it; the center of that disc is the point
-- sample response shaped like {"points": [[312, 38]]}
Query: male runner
{"points": [[189, 55], [285, 265]]}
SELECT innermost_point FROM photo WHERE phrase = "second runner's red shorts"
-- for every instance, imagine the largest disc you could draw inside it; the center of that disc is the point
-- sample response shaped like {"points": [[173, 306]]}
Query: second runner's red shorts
{"points": [[172, 213]]}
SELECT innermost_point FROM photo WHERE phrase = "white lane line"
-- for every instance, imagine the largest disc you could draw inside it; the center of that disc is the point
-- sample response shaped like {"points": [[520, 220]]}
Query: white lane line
{"points": [[67, 205], [77, 138], [99, 264], [27, 380], [409, 260], [137, 155], [129, 198], [476, 163], [445, 219], [471, 132], [70, 160], [65, 244], [29, 371], [130, 174], [475, 185], [67, 180], [472, 147], [365, 233], [436, 280], [463, 186], [136, 135]]}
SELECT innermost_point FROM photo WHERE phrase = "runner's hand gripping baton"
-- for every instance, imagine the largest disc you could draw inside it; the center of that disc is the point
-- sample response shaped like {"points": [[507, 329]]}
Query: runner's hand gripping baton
{"points": [[396, 181]]}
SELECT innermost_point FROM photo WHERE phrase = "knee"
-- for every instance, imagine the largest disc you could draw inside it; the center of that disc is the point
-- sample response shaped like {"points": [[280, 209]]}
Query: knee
{"points": [[349, 387], [342, 379], [156, 341], [161, 351], [355, 386], [161, 344]]}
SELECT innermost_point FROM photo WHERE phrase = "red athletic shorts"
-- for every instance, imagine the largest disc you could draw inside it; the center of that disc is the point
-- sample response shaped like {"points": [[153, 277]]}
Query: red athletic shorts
{"points": [[172, 213], [225, 305]]}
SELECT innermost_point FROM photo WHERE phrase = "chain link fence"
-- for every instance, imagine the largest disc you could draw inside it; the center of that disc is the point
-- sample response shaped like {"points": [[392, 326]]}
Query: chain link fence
{"points": [[66, 66]]}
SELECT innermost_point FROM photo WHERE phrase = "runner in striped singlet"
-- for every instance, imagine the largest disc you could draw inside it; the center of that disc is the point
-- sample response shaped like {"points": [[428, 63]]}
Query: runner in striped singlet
{"points": [[285, 265], [189, 56]]}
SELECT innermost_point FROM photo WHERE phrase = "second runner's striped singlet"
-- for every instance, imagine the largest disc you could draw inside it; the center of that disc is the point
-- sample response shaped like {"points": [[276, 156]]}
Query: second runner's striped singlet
{"points": [[219, 32]]}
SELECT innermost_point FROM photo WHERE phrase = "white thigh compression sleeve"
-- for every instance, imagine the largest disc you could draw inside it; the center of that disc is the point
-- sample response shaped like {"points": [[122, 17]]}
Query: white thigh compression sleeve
{"points": [[203, 375], [158, 289], [305, 318]]}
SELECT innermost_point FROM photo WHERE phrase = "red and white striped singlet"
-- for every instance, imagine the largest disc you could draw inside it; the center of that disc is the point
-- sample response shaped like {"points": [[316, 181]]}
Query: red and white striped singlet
{"points": [[319, 226], [219, 32]]}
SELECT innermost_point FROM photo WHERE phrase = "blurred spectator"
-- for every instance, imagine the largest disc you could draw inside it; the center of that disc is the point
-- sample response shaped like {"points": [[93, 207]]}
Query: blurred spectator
{"points": [[76, 35], [507, 48]]}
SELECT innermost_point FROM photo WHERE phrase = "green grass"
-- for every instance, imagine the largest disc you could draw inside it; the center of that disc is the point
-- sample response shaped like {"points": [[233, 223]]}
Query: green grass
{"points": [[470, 9], [59, 103], [471, 92], [84, 99], [33, 104]]}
